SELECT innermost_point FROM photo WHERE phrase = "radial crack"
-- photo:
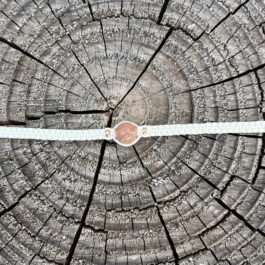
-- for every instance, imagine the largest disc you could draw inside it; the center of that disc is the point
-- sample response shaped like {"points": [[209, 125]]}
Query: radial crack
{"points": [[89, 75], [51, 84], [261, 156], [16, 47], [170, 240], [147, 65], [227, 79], [101, 25], [12, 206], [93, 111], [240, 217], [219, 23], [63, 111], [67, 33], [198, 174], [12, 122], [162, 12], [229, 14], [89, 201]]}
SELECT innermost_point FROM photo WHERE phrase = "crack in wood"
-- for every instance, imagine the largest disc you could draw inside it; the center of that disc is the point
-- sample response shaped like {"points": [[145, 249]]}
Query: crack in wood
{"points": [[64, 111], [89, 201], [84, 67], [170, 240], [12, 206], [146, 66], [228, 15], [162, 11], [198, 174], [118, 202], [16, 47], [89, 75], [240, 217], [229, 79]]}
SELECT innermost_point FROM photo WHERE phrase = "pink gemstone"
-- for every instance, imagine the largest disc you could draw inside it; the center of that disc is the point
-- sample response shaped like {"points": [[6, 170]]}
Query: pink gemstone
{"points": [[126, 133]]}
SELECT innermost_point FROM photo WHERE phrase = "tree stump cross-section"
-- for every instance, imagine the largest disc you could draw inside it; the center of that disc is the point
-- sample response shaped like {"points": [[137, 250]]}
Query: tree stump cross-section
{"points": [[79, 64]]}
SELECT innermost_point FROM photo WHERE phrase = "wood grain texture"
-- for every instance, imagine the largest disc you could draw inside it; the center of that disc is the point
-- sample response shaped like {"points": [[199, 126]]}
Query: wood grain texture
{"points": [[185, 200]]}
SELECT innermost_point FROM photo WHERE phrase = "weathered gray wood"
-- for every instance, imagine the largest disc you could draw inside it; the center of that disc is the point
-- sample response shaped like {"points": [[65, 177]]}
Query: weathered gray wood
{"points": [[176, 200]]}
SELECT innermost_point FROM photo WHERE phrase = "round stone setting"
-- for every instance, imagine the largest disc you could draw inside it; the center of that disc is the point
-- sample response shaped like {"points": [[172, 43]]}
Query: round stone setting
{"points": [[126, 133]]}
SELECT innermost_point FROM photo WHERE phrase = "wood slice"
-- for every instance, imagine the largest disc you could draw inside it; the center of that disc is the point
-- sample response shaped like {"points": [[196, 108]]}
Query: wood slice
{"points": [[68, 64]]}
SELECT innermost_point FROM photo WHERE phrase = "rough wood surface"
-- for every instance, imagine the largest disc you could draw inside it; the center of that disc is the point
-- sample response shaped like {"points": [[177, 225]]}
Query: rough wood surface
{"points": [[171, 200]]}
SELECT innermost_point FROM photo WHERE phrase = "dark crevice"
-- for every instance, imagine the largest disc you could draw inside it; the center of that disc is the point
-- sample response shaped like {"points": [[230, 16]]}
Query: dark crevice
{"points": [[141, 162], [56, 42], [9, 241], [261, 156], [198, 174], [206, 247], [19, 82], [89, 75], [245, 108], [76, 111], [228, 15], [147, 65], [10, 18], [105, 250], [246, 135], [102, 152], [12, 122], [32, 118], [162, 12], [4, 84], [84, 215], [11, 207], [37, 254], [60, 21], [223, 219], [232, 177], [170, 241], [90, 9], [251, 184], [94, 229], [260, 160], [193, 38], [49, 260], [240, 217], [22, 166], [16, 47], [103, 38], [188, 34], [61, 24], [66, 111], [44, 223], [261, 26], [144, 208], [101, 25], [227, 79], [89, 201], [199, 252], [218, 24], [121, 10], [227, 184], [261, 90], [51, 84]]}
